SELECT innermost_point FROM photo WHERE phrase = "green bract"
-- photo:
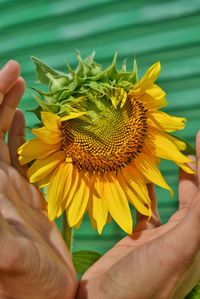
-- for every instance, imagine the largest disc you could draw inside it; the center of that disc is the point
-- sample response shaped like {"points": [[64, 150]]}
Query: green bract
{"points": [[66, 92]]}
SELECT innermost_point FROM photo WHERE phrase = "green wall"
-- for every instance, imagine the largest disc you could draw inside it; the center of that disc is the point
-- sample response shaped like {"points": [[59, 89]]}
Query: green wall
{"points": [[152, 30]]}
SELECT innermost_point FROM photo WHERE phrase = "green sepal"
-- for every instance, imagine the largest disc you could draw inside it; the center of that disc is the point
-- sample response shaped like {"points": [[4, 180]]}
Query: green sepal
{"points": [[48, 97], [189, 150], [42, 69], [47, 75], [87, 67], [53, 108], [89, 80], [37, 112], [84, 259]]}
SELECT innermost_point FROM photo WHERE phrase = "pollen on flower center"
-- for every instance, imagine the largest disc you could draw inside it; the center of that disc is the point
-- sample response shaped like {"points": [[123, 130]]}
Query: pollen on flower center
{"points": [[108, 138]]}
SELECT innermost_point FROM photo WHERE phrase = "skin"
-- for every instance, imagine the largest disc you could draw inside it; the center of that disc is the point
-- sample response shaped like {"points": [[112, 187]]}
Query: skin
{"points": [[157, 261], [33, 259]]}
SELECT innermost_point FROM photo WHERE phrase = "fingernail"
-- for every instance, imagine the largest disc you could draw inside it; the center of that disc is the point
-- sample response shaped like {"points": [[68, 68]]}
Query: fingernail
{"points": [[1, 97]]}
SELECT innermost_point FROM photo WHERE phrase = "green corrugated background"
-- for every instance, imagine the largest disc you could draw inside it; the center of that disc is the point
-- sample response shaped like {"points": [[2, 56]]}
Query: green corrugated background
{"points": [[151, 30]]}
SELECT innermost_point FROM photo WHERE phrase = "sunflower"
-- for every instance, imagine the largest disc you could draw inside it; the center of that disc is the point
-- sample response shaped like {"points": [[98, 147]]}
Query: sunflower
{"points": [[100, 143]]}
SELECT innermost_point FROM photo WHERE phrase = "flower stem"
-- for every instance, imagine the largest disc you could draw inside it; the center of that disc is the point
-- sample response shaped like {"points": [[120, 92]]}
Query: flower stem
{"points": [[67, 233]]}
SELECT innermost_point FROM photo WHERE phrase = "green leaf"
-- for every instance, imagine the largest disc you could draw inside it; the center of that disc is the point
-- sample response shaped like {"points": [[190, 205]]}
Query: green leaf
{"points": [[195, 293], [83, 259]]}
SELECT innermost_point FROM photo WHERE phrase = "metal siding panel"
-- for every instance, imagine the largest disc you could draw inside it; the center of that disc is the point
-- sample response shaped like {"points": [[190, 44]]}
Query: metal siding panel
{"points": [[150, 30]]}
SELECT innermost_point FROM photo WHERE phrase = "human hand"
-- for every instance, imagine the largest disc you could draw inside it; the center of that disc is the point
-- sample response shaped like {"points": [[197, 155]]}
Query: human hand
{"points": [[34, 262], [157, 261]]}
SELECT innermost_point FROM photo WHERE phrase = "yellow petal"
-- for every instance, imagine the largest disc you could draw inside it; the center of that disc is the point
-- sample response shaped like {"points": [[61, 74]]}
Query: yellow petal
{"points": [[186, 168], [51, 121], [117, 203], [79, 203], [141, 205], [35, 149], [58, 190], [181, 145], [100, 211], [24, 160], [72, 116], [43, 183], [154, 97], [152, 73], [47, 136], [167, 122], [40, 169], [90, 212], [147, 80], [148, 167], [162, 146], [73, 184], [77, 226], [156, 92], [134, 179]]}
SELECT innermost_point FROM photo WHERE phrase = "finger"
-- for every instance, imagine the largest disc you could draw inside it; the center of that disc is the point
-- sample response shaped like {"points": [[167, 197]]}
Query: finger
{"points": [[155, 219], [9, 211], [6, 187], [11, 207], [16, 137], [6, 234], [8, 75], [9, 104], [143, 222], [1, 97], [194, 195], [28, 193], [4, 152], [188, 185], [12, 246], [19, 192], [3, 223]]}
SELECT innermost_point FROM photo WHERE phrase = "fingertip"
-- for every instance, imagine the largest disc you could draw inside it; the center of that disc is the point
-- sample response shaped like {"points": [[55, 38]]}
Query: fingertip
{"points": [[20, 86], [18, 123], [192, 164], [19, 113], [13, 66], [9, 74], [21, 82]]}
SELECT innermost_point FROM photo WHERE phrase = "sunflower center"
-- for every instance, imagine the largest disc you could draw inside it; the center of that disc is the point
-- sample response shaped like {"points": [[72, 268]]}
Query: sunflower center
{"points": [[108, 138]]}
